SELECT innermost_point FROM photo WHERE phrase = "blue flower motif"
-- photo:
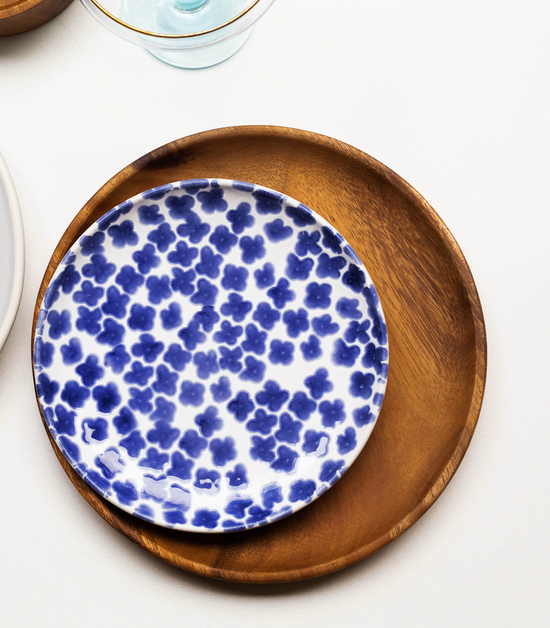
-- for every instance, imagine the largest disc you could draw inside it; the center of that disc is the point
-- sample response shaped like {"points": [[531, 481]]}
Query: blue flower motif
{"points": [[207, 318], [206, 363], [222, 390], [179, 206], [207, 479], [271, 495], [241, 406], [281, 352], [147, 348], [74, 394], [281, 293], [193, 444], [375, 357], [332, 240], [255, 340], [52, 294], [68, 279], [297, 268], [133, 443], [289, 429], [240, 218], [191, 394], [194, 228], [117, 359], [65, 421], [346, 441], [206, 519], [308, 243], [90, 371], [277, 231], [268, 202], [43, 353], [209, 264], [378, 326], [318, 295], [311, 349], [348, 308], [315, 442], [209, 422], [302, 406], [272, 396], [123, 234], [300, 216], [92, 244], [72, 352], [263, 448], [98, 268], [162, 237], [345, 355], [166, 381], [126, 492], [286, 459], [106, 397], [265, 276], [363, 416], [324, 326], [177, 357], [88, 294], [223, 239], [112, 333], [361, 384], [125, 421], [332, 413], [141, 317], [116, 303], [150, 215], [330, 266], [114, 214], [236, 307], [237, 508], [234, 277], [95, 480], [47, 388], [164, 410], [238, 476], [266, 315], [206, 293], [354, 278], [252, 248], [141, 400], [163, 434], [318, 383], [171, 317], [257, 515], [60, 323], [154, 459], [329, 471], [183, 281], [357, 331], [109, 463], [96, 430], [146, 259], [230, 359], [88, 320], [296, 322], [157, 193], [128, 279], [159, 288], [262, 422], [184, 255], [254, 371], [223, 451], [212, 201], [181, 466], [302, 491], [228, 333]]}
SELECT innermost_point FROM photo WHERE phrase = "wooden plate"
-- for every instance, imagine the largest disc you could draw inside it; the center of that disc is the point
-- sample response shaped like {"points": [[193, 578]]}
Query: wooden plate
{"points": [[437, 351], [19, 16]]}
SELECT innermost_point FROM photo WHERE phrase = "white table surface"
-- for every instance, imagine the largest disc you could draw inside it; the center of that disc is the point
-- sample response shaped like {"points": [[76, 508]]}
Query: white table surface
{"points": [[454, 96]]}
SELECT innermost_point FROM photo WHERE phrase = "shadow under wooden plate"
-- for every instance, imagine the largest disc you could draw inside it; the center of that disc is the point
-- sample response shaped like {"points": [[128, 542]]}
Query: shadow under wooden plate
{"points": [[437, 351], [20, 16]]}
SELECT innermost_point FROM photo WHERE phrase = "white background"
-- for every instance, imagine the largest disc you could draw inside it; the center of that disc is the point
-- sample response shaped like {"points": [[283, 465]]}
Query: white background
{"points": [[454, 96]]}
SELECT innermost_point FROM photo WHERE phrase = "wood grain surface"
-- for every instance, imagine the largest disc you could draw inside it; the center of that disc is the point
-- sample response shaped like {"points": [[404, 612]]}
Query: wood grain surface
{"points": [[19, 16], [437, 351]]}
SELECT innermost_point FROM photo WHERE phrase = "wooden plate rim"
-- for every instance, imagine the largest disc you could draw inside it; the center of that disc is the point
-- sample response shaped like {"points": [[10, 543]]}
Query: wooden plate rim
{"points": [[429, 214]]}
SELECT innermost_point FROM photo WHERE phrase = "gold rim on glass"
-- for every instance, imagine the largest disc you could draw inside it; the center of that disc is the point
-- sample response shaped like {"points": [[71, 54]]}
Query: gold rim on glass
{"points": [[165, 36]]}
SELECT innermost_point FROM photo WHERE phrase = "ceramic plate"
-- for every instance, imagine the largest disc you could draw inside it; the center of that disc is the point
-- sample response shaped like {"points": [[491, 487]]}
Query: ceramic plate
{"points": [[211, 356], [12, 253]]}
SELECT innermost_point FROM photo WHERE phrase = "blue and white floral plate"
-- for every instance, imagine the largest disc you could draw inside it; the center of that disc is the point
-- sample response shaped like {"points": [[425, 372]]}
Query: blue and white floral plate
{"points": [[211, 356]]}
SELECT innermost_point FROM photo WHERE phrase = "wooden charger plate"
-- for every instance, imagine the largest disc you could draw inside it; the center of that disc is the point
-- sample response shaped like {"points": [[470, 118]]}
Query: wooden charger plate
{"points": [[437, 351], [20, 16]]}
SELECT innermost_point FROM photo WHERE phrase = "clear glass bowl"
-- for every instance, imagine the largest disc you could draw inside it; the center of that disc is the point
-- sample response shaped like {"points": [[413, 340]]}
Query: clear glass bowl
{"points": [[185, 33]]}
